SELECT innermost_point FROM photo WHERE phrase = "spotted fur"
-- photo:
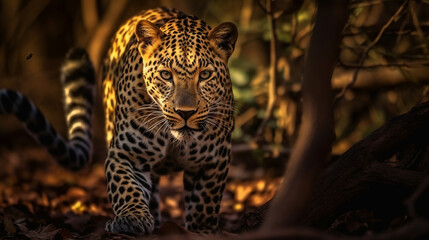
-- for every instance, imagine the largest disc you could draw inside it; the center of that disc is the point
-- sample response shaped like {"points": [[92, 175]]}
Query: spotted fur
{"points": [[168, 106]]}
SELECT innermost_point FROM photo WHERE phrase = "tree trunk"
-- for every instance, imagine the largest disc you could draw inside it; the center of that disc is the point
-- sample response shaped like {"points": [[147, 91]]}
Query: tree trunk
{"points": [[316, 132]]}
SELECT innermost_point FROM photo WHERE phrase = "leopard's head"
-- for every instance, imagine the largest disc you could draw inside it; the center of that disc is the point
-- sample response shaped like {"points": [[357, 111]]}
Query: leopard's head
{"points": [[185, 73]]}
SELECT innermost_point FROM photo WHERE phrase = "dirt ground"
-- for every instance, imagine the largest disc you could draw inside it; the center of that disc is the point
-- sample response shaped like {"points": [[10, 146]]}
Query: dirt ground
{"points": [[41, 200]]}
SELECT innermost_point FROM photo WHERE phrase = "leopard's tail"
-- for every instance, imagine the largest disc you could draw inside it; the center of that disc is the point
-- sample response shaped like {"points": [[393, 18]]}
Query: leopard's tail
{"points": [[78, 79]]}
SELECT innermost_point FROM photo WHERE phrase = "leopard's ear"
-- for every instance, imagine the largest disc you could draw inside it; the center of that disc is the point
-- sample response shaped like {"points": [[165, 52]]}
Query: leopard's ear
{"points": [[222, 38], [149, 37]]}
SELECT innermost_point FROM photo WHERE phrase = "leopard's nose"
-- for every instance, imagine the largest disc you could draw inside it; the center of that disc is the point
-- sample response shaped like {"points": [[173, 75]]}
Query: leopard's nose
{"points": [[185, 114]]}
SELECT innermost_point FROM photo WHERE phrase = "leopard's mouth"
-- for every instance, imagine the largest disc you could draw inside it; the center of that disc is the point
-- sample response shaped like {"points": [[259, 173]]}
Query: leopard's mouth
{"points": [[184, 133], [186, 128]]}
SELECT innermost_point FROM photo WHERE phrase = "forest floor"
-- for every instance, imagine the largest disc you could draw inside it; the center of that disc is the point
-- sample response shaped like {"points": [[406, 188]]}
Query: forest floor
{"points": [[41, 200]]}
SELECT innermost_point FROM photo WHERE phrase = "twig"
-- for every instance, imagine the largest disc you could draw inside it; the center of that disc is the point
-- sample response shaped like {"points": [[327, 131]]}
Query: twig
{"points": [[366, 51], [294, 29], [272, 94], [421, 35], [262, 6], [404, 24]]}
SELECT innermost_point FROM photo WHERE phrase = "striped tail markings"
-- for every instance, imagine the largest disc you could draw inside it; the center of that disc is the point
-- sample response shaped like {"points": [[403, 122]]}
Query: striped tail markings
{"points": [[78, 79]]}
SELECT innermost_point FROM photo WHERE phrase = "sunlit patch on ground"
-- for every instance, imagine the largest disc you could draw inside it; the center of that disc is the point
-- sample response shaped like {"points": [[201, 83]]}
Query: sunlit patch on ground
{"points": [[253, 193]]}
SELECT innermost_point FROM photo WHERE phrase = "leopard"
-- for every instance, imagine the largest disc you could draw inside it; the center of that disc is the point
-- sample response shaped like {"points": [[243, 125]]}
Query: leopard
{"points": [[169, 107]]}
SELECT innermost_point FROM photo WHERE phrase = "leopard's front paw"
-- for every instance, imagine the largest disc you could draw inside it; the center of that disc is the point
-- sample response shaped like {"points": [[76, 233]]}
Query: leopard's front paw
{"points": [[131, 224]]}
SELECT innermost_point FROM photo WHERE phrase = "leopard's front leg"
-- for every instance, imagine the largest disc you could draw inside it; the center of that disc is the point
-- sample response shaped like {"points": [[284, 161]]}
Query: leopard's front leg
{"points": [[203, 194], [129, 191]]}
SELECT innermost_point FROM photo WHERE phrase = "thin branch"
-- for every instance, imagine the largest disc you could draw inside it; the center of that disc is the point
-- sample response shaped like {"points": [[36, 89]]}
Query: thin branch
{"points": [[407, 65], [101, 36], [272, 86], [89, 14], [367, 49], [404, 24], [294, 29], [412, 8], [264, 8]]}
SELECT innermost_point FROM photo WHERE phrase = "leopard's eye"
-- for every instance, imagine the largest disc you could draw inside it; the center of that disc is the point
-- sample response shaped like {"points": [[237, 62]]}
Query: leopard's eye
{"points": [[166, 75], [206, 74]]}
